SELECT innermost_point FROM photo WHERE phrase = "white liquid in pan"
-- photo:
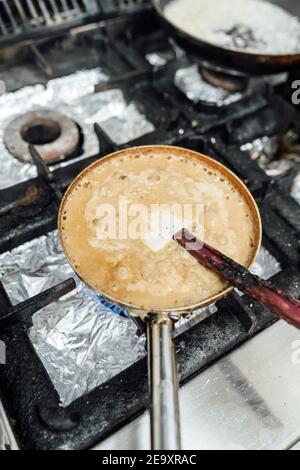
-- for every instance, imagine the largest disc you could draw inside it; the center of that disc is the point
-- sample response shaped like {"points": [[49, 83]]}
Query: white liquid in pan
{"points": [[254, 26], [133, 271]]}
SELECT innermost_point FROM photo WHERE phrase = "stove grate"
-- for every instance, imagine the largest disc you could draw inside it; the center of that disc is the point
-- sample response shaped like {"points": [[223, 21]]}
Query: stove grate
{"points": [[18, 17], [29, 209], [121, 6], [25, 19]]}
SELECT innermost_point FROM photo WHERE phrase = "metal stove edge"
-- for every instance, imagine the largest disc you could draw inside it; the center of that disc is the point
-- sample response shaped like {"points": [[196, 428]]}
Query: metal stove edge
{"points": [[257, 410]]}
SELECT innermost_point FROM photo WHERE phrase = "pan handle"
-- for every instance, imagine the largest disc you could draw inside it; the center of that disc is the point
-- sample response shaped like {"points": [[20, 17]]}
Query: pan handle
{"points": [[163, 382]]}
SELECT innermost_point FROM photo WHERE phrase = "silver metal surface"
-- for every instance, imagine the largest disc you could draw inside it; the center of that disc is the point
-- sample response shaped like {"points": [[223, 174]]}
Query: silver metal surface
{"points": [[163, 384], [248, 400]]}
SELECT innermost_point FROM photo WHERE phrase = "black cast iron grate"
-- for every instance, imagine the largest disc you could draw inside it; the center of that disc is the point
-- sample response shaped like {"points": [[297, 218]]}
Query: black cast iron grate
{"points": [[20, 18], [28, 19], [123, 6], [29, 210]]}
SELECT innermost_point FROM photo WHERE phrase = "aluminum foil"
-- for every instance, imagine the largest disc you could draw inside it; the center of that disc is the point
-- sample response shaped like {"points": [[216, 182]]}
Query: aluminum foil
{"points": [[72, 95], [266, 266], [157, 59], [59, 94], [81, 343], [122, 121], [190, 82], [296, 189], [262, 150], [265, 151]]}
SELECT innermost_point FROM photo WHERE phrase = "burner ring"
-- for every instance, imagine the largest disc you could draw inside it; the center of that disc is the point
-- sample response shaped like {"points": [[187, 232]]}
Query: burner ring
{"points": [[55, 135], [230, 83]]}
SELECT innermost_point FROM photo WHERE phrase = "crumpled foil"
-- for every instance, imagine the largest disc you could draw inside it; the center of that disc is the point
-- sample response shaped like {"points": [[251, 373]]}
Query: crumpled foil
{"points": [[295, 193], [190, 82], [122, 121], [265, 266], [81, 343], [72, 95], [263, 150], [157, 59]]}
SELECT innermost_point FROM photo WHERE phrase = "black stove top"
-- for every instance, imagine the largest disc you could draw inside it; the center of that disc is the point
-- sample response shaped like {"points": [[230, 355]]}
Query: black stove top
{"points": [[29, 209]]}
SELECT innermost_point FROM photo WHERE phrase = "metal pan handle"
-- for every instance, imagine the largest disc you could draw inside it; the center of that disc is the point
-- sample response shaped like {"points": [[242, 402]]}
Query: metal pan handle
{"points": [[163, 384]]}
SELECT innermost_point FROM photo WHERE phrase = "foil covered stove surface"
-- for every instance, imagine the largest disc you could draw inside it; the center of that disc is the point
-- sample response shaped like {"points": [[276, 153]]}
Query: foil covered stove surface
{"points": [[59, 94], [81, 343], [265, 266], [195, 88], [296, 188], [265, 151], [122, 121], [73, 96]]}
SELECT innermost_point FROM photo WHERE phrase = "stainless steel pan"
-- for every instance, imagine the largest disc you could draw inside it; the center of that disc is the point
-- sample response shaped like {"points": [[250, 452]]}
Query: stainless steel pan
{"points": [[163, 381]]}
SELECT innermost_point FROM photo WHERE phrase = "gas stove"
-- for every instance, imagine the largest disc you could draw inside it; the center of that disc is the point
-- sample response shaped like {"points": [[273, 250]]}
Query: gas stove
{"points": [[73, 368]]}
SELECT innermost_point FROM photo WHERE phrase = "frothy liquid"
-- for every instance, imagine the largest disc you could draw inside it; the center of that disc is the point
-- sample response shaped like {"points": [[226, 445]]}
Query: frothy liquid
{"points": [[128, 270]]}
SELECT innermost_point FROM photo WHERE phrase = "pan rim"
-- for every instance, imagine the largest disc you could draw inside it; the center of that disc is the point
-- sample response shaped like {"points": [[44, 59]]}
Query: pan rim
{"points": [[263, 58], [234, 179]]}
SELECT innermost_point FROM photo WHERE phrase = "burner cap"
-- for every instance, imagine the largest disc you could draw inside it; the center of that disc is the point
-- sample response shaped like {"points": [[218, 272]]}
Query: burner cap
{"points": [[55, 135], [230, 83]]}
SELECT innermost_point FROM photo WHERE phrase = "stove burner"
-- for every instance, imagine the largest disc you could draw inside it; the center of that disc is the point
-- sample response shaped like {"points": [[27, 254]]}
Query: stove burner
{"points": [[41, 132], [230, 83], [55, 135]]}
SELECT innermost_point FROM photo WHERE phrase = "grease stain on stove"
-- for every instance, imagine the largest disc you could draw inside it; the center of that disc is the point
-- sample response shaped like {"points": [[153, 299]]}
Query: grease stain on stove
{"points": [[31, 196]]}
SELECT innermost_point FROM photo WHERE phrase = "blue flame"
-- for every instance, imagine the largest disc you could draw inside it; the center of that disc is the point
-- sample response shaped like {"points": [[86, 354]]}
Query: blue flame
{"points": [[114, 308]]}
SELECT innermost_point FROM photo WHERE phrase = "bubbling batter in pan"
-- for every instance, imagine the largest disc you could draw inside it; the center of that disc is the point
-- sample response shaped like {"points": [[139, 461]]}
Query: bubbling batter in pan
{"points": [[130, 270]]}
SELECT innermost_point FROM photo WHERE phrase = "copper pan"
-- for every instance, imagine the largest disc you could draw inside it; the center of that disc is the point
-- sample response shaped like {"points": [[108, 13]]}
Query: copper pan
{"points": [[163, 379]]}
